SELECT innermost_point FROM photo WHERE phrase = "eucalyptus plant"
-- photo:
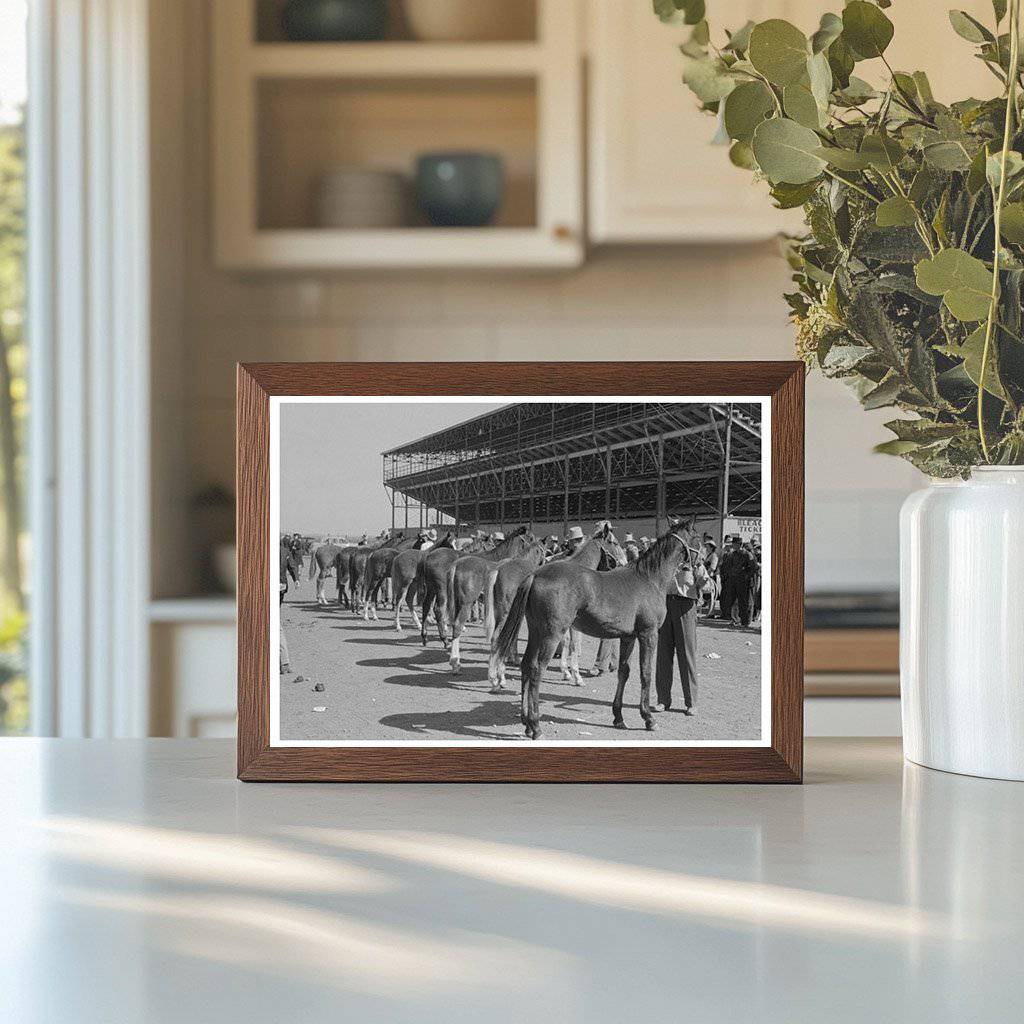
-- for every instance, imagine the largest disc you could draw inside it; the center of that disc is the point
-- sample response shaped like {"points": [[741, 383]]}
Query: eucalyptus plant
{"points": [[910, 277]]}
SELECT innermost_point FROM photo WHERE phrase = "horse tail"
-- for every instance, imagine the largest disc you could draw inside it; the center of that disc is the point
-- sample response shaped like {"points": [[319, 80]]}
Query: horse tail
{"points": [[505, 642], [312, 566]]}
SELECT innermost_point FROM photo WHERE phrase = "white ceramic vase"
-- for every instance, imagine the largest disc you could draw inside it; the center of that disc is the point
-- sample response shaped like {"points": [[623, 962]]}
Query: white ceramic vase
{"points": [[962, 624]]}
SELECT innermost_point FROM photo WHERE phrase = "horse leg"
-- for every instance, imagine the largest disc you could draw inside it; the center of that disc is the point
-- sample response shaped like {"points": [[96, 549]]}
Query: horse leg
{"points": [[533, 670], [648, 642], [428, 601], [625, 652], [402, 591], [575, 643], [458, 624], [413, 592], [441, 616], [566, 651]]}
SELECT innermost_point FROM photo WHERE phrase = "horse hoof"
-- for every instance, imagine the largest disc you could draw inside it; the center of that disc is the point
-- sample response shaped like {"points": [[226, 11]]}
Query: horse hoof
{"points": [[498, 689], [649, 724], [454, 666], [618, 724]]}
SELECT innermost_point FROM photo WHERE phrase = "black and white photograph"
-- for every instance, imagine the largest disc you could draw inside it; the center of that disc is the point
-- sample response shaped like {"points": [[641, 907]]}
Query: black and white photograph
{"points": [[493, 571]]}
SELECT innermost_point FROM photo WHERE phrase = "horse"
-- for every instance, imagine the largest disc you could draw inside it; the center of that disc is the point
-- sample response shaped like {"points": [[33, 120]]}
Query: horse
{"points": [[626, 603], [601, 553], [378, 571], [471, 576], [432, 578], [325, 558], [404, 571], [358, 560]]}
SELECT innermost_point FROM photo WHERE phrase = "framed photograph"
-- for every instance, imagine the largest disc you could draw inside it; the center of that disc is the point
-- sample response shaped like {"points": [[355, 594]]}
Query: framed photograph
{"points": [[578, 572]]}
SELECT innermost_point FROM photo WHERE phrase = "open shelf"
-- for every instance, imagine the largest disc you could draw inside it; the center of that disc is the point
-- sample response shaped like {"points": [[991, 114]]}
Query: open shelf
{"points": [[308, 127], [287, 114]]}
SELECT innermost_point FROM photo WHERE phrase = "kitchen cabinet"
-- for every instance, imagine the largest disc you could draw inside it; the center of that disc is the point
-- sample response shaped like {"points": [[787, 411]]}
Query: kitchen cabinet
{"points": [[287, 114], [653, 175]]}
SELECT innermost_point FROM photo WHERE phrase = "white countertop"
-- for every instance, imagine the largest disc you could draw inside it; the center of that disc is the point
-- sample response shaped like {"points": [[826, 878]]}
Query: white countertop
{"points": [[140, 882]]}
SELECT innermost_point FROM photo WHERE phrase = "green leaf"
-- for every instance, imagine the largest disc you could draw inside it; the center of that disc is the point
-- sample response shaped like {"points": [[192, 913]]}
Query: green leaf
{"points": [[971, 352], [841, 63], [739, 41], [741, 155], [923, 431], [819, 74], [857, 91], [829, 29], [1012, 224], [866, 29], [779, 51], [707, 78], [963, 281], [787, 151], [883, 152], [999, 9], [976, 173], [924, 88], [947, 156], [884, 394], [801, 106], [895, 447], [993, 167], [895, 212], [922, 185], [844, 159], [745, 108], [690, 12], [788, 196], [969, 28]]}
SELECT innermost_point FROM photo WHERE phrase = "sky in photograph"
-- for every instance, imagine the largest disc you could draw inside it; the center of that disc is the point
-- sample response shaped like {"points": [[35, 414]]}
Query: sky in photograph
{"points": [[331, 466]]}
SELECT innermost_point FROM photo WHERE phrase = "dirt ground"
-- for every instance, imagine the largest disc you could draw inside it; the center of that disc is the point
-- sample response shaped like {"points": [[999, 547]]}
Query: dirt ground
{"points": [[382, 686]]}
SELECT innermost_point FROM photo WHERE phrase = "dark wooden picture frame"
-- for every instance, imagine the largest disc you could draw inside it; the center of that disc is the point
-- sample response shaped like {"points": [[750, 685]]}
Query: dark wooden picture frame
{"points": [[780, 761]]}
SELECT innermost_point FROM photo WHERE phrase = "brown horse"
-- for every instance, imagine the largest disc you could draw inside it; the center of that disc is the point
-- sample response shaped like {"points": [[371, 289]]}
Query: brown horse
{"points": [[432, 578], [358, 561], [324, 560], [472, 575], [626, 604], [404, 571], [601, 553], [378, 572]]}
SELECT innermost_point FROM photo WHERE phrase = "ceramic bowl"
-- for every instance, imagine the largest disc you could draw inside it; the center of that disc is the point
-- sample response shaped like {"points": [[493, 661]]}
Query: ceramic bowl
{"points": [[470, 20], [359, 197], [333, 21], [460, 189]]}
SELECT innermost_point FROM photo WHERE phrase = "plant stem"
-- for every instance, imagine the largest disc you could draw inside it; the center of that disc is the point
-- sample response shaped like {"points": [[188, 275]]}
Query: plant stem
{"points": [[853, 185], [1011, 108]]}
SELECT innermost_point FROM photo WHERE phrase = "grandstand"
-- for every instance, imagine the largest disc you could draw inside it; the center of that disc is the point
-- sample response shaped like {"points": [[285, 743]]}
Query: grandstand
{"points": [[550, 465]]}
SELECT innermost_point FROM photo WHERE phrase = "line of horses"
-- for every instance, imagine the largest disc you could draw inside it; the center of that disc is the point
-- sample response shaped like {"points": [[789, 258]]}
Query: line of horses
{"points": [[591, 591]]}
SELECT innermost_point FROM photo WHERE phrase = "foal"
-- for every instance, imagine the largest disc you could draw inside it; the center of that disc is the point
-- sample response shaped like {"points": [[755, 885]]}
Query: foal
{"points": [[626, 604]]}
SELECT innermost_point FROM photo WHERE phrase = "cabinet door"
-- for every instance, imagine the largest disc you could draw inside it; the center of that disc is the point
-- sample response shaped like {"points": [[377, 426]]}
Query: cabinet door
{"points": [[654, 177]]}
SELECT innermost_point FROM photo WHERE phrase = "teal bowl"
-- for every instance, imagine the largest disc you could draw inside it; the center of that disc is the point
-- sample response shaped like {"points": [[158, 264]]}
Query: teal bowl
{"points": [[334, 21], [460, 190]]}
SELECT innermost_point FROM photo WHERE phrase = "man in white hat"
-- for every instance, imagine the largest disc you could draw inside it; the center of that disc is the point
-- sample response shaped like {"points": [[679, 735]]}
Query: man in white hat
{"points": [[497, 536], [574, 539]]}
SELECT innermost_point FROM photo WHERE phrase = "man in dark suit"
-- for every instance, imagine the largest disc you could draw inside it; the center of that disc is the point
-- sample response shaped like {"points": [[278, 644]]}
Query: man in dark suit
{"points": [[737, 569]]}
